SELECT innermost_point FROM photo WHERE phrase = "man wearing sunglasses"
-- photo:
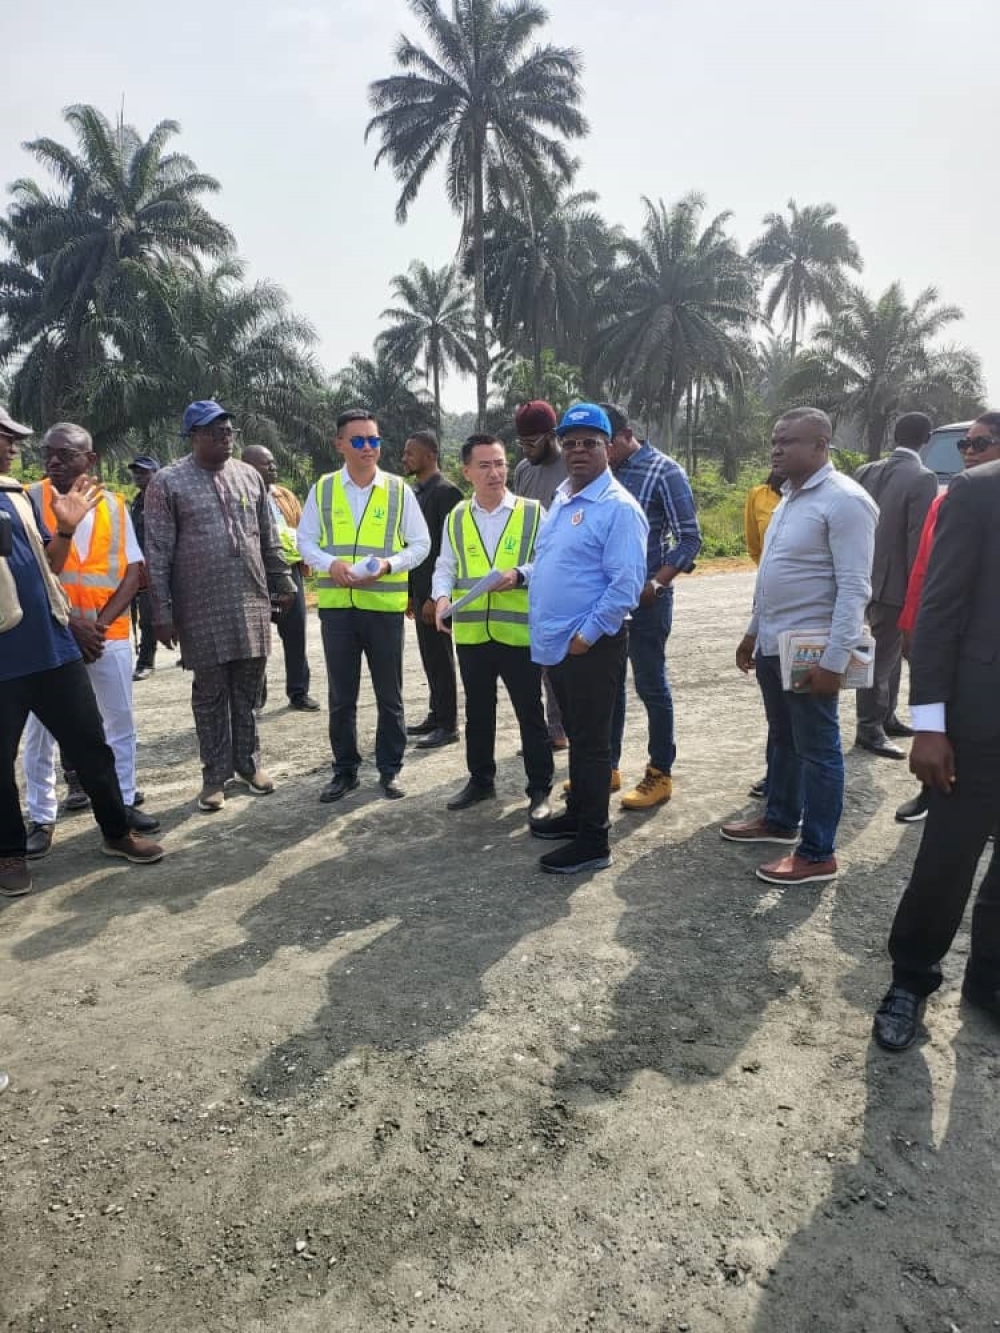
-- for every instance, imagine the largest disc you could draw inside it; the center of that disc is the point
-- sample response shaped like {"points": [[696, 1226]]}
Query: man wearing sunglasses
{"points": [[356, 517], [954, 686], [214, 561], [588, 574]]}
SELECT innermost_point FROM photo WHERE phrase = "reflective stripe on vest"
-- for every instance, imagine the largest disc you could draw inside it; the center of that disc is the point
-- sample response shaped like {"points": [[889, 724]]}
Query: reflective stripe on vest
{"points": [[501, 616], [90, 581], [379, 533]]}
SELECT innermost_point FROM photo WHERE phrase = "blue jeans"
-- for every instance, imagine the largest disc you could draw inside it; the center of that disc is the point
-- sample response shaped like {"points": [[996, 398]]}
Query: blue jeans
{"points": [[806, 771], [647, 651]]}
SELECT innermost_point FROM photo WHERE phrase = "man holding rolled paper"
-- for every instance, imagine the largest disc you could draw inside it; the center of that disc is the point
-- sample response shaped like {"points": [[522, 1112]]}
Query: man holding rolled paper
{"points": [[815, 574], [487, 549], [362, 531]]}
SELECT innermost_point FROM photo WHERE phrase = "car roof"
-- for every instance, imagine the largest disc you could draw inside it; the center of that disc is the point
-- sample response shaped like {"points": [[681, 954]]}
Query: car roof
{"points": [[954, 425]]}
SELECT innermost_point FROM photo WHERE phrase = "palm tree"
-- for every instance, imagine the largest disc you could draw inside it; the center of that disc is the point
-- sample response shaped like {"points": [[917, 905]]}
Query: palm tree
{"points": [[875, 358], [484, 99], [122, 209], [539, 259], [807, 255], [683, 297], [433, 325]]}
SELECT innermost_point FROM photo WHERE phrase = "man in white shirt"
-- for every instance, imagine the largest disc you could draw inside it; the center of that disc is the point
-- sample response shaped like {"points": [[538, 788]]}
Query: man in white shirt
{"points": [[494, 533], [100, 584], [354, 516]]}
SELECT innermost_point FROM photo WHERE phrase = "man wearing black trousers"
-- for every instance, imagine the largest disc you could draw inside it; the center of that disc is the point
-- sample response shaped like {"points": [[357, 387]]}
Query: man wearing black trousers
{"points": [[493, 534], [954, 688], [143, 469], [437, 497]]}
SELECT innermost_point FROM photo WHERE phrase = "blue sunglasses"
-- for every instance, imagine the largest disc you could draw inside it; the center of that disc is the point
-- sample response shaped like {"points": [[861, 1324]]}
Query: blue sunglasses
{"points": [[359, 441]]}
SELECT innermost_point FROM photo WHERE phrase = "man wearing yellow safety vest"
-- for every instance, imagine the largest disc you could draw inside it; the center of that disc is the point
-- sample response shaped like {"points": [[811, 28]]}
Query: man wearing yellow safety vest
{"points": [[494, 534], [286, 510], [362, 531], [100, 578]]}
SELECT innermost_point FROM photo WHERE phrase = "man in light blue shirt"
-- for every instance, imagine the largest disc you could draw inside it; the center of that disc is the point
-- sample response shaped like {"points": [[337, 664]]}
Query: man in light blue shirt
{"points": [[588, 574]]}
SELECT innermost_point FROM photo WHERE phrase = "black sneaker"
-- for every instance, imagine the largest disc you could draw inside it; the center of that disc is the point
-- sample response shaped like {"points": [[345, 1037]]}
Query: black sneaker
{"points": [[556, 826], [574, 860], [911, 812]]}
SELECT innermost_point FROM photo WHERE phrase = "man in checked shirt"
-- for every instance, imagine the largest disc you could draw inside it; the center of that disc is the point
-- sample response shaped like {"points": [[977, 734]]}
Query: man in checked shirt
{"points": [[661, 487]]}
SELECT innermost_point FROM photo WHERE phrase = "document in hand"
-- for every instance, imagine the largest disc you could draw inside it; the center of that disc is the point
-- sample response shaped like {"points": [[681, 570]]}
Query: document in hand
{"points": [[800, 650], [479, 589]]}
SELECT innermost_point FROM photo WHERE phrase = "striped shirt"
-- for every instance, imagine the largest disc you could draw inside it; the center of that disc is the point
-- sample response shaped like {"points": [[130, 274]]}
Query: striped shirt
{"points": [[661, 487]]}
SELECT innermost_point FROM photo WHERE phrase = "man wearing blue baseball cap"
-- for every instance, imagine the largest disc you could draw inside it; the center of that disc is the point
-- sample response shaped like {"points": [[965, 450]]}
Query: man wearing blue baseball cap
{"points": [[589, 571], [142, 469], [214, 562]]}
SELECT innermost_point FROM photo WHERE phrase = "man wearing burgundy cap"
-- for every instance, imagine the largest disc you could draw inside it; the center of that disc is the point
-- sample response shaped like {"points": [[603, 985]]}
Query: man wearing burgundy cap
{"points": [[537, 475]]}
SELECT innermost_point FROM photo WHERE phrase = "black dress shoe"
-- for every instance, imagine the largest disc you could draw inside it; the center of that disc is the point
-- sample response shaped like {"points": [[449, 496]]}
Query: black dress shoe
{"points": [[305, 703], [759, 790], [894, 727], [436, 738], [342, 783], [471, 794], [897, 1019], [140, 823], [574, 859], [981, 997], [428, 725], [391, 789], [915, 809], [556, 826], [875, 741]]}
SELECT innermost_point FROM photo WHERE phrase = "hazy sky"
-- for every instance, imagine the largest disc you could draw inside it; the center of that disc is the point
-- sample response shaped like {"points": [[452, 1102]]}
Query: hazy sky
{"points": [[887, 108]]}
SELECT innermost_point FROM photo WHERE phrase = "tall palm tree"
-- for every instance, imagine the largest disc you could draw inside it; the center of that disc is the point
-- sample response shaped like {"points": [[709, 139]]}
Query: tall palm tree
{"points": [[683, 297], [484, 98], [123, 207], [539, 258], [807, 255], [432, 325], [875, 358]]}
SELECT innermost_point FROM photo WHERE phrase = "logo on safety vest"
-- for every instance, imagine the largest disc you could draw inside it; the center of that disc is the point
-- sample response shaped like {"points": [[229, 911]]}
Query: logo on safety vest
{"points": [[378, 511]]}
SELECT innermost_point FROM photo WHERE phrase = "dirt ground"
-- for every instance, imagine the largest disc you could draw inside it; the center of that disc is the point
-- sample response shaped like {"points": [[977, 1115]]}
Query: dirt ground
{"points": [[363, 1067]]}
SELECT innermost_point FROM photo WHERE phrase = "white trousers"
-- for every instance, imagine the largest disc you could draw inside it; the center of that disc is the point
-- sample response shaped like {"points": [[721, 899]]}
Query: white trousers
{"points": [[111, 677]]}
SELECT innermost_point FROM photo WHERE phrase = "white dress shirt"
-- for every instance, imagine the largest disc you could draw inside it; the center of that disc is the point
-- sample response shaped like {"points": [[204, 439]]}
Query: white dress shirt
{"points": [[491, 524], [412, 526], [84, 533]]}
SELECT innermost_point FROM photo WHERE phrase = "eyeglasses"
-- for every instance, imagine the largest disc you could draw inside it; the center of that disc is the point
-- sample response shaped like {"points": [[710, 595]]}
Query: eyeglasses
{"points": [[372, 441], [977, 445], [590, 444]]}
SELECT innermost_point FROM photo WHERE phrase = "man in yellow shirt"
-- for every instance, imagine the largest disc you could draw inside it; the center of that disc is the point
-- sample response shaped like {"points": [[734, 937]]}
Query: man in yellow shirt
{"points": [[762, 501]]}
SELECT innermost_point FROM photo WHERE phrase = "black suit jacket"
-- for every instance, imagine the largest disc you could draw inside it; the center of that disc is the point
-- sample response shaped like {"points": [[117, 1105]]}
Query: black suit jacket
{"points": [[903, 490], [955, 656], [436, 498]]}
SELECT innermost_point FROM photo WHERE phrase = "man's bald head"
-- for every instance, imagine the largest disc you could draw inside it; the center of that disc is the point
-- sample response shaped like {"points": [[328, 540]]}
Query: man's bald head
{"points": [[262, 461]]}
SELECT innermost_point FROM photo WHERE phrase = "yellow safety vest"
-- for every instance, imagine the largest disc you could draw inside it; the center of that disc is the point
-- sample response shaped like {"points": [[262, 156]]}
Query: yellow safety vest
{"points": [[501, 616], [380, 533]]}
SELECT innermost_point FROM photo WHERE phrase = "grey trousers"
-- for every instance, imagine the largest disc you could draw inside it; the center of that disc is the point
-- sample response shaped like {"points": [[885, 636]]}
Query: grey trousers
{"points": [[877, 705], [223, 698]]}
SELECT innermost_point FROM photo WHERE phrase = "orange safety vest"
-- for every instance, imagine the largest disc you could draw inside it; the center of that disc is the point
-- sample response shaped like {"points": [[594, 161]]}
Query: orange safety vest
{"points": [[89, 583]]}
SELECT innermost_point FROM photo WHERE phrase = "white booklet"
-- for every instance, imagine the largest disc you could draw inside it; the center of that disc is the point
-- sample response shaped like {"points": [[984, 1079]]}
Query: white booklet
{"points": [[800, 649], [479, 589]]}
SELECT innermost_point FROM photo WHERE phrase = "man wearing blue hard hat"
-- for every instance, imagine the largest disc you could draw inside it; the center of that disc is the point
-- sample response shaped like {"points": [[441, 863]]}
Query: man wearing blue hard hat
{"points": [[215, 561], [588, 574]]}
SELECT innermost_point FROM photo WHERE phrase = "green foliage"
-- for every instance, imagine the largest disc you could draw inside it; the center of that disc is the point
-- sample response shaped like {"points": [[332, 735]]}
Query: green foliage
{"points": [[519, 381], [721, 504]]}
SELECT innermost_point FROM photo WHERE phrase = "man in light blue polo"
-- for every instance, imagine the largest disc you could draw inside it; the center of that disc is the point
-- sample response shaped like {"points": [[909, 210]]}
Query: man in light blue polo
{"points": [[588, 574]]}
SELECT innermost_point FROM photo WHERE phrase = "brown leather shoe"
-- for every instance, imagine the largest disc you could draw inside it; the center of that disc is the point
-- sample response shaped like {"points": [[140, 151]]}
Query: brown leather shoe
{"points": [[140, 851], [757, 830], [15, 877], [797, 870]]}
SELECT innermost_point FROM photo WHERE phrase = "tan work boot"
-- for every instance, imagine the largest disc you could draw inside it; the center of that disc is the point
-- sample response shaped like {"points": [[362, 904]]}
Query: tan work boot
{"points": [[655, 788], [211, 798], [616, 783]]}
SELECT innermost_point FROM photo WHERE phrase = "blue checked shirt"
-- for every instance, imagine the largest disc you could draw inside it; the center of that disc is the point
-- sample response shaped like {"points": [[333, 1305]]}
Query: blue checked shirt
{"points": [[663, 491]]}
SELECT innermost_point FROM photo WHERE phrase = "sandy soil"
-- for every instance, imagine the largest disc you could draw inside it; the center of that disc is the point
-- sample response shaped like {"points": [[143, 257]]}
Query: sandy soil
{"points": [[364, 1068]]}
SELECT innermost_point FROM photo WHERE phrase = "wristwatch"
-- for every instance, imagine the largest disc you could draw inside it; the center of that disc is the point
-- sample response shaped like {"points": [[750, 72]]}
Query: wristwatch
{"points": [[658, 588]]}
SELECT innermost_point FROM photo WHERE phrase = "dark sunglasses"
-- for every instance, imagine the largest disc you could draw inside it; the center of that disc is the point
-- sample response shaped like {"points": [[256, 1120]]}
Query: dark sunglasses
{"points": [[978, 445], [589, 444], [359, 441]]}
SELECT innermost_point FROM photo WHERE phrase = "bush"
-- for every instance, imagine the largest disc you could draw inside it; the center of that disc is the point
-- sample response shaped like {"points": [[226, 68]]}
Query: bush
{"points": [[721, 505]]}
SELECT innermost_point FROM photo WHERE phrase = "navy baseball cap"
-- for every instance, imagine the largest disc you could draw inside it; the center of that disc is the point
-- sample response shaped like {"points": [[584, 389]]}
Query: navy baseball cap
{"points": [[583, 416], [145, 462], [202, 413]]}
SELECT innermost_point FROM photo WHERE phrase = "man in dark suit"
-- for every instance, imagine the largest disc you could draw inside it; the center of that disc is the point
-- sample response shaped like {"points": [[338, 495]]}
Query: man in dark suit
{"points": [[954, 688], [437, 497], [903, 490]]}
